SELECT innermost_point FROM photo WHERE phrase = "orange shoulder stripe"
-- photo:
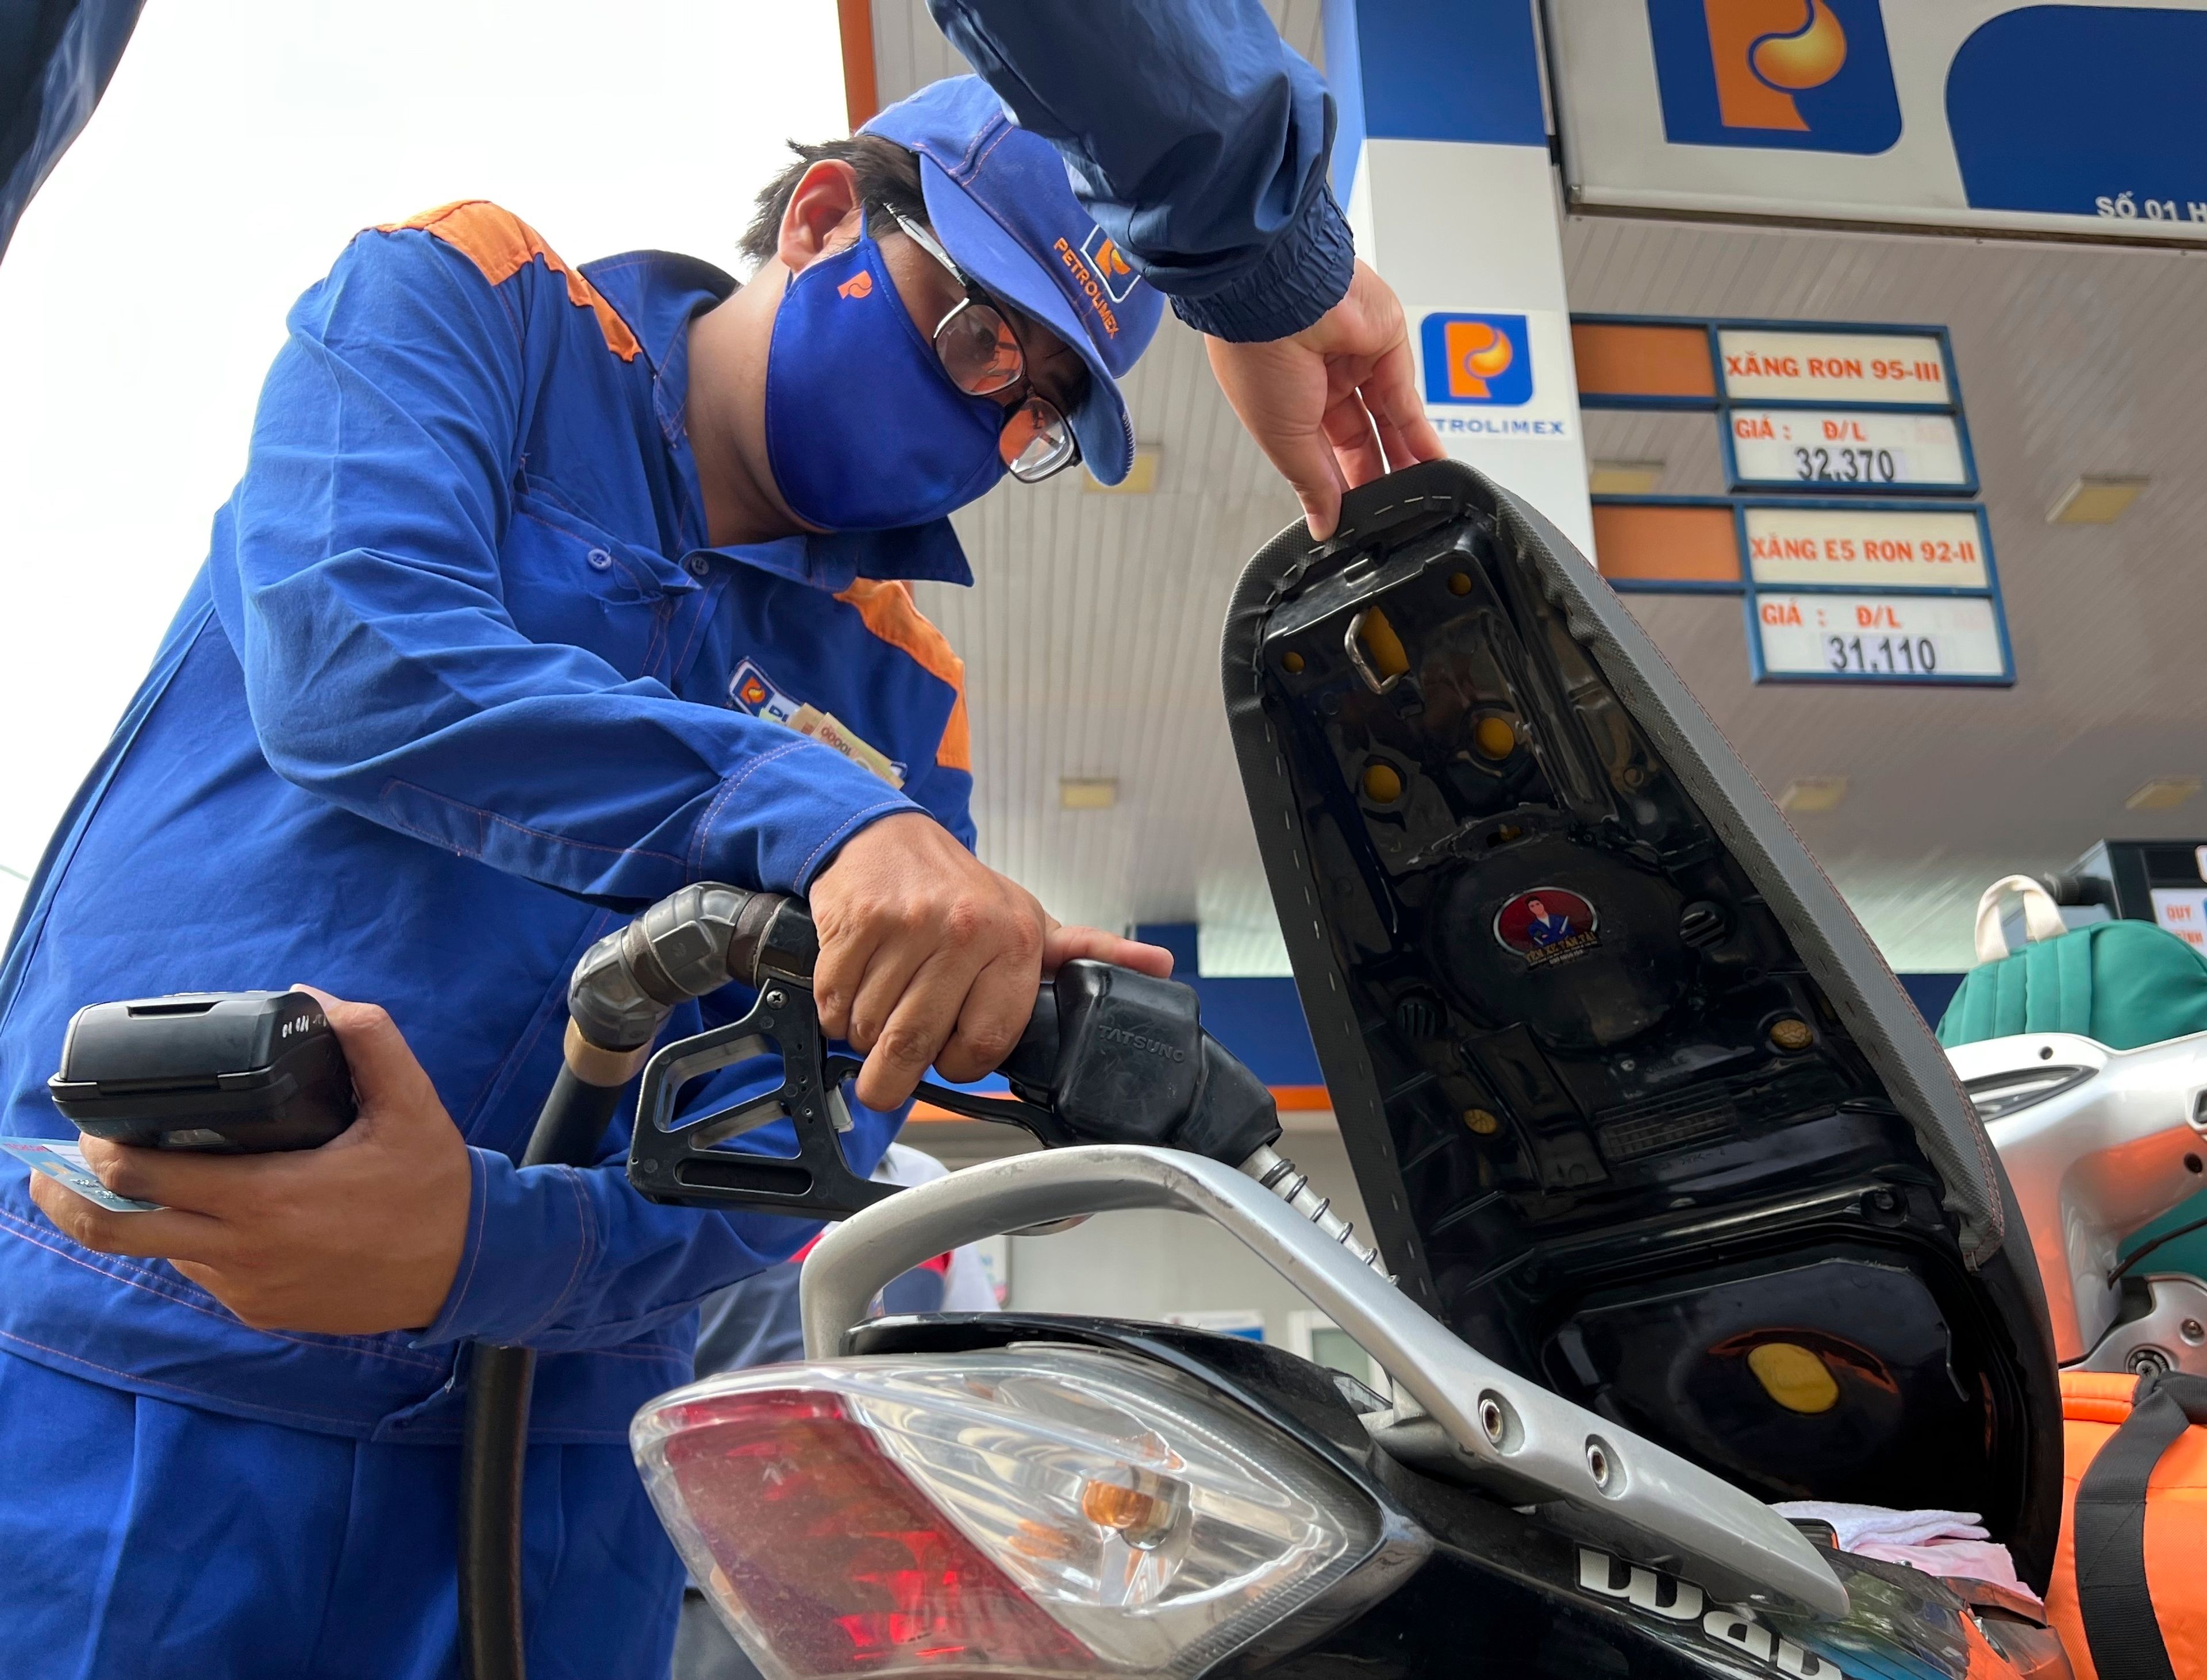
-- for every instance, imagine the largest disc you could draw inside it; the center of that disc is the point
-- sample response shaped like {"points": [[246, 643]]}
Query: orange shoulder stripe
{"points": [[501, 244], [888, 611]]}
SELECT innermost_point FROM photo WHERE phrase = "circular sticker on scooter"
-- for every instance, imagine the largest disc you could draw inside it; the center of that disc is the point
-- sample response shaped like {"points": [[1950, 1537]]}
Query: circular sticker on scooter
{"points": [[1548, 925]]}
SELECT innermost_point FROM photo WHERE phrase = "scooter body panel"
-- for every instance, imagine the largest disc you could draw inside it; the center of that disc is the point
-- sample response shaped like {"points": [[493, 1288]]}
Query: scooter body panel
{"points": [[2097, 1143]]}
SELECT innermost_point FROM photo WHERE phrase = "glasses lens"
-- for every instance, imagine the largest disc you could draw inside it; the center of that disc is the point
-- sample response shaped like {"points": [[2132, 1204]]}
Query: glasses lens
{"points": [[978, 350], [1036, 441]]}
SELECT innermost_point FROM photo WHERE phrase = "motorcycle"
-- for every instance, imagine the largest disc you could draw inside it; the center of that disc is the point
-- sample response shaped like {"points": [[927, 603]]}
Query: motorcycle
{"points": [[1679, 1211], [2099, 1143]]}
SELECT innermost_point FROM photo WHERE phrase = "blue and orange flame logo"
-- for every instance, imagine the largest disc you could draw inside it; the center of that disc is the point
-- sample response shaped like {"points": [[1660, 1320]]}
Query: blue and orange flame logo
{"points": [[1477, 352], [1759, 68], [1476, 359], [1805, 74], [1110, 264]]}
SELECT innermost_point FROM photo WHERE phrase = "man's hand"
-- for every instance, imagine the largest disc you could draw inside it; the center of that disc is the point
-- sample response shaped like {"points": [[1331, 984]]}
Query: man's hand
{"points": [[360, 1236], [1336, 404], [929, 957]]}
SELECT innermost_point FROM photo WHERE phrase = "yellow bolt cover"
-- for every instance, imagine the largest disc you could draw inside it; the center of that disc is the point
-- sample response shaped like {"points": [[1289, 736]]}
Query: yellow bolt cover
{"points": [[1382, 782], [1389, 657], [1792, 1033], [1292, 663], [1496, 738], [1793, 1376], [1459, 582], [1486, 1124]]}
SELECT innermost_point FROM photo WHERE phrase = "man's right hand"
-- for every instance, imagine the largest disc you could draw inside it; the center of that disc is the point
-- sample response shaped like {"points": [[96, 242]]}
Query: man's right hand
{"points": [[1336, 404], [928, 957]]}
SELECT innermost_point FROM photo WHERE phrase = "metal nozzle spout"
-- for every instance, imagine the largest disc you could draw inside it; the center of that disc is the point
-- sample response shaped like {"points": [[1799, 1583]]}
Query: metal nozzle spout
{"points": [[1286, 1180]]}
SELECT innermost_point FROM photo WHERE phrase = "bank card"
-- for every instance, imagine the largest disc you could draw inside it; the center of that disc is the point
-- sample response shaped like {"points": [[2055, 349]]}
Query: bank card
{"points": [[64, 1163]]}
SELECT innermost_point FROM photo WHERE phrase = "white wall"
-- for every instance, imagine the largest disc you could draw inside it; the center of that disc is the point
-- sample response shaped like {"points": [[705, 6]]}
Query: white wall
{"points": [[241, 143]]}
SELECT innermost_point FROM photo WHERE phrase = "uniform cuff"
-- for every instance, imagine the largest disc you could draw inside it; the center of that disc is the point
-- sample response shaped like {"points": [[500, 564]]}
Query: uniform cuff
{"points": [[530, 1239], [778, 821], [1306, 274]]}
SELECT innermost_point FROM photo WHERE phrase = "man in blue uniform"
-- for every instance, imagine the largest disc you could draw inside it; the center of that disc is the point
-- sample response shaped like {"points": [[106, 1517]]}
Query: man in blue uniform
{"points": [[546, 590]]}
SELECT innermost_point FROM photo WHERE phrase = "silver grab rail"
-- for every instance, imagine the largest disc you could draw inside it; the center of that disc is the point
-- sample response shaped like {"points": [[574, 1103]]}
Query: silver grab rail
{"points": [[1529, 1446]]}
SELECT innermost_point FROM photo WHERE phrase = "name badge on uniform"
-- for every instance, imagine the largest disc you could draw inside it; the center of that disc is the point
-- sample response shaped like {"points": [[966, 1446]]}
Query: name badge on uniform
{"points": [[751, 690]]}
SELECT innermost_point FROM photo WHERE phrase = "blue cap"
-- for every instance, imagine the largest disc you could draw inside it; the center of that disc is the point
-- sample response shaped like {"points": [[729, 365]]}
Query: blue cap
{"points": [[1001, 203]]}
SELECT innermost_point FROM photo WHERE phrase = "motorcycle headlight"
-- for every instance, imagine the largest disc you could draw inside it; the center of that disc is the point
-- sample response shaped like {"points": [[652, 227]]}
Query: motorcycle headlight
{"points": [[1997, 1096], [1049, 1512]]}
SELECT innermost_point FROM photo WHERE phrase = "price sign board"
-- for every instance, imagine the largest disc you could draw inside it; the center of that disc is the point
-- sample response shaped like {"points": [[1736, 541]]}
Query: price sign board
{"points": [[1842, 546], [1810, 636], [1797, 365], [2182, 910], [1846, 579], [1842, 450]]}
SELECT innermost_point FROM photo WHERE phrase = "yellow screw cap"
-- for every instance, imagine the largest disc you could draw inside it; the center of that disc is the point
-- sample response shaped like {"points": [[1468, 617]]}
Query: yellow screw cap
{"points": [[1484, 1123], [1496, 738], [1389, 657], [1292, 663], [1792, 1033], [1382, 782], [1793, 1376], [1459, 582]]}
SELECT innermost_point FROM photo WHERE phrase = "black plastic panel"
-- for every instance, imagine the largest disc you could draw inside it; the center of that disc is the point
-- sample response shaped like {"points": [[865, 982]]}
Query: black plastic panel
{"points": [[1627, 1093]]}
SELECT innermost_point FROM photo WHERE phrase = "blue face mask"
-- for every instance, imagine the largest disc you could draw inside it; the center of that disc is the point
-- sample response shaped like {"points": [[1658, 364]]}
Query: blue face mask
{"points": [[864, 431]]}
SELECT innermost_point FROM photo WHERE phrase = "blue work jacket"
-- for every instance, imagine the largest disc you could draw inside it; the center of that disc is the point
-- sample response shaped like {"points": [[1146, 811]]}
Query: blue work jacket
{"points": [[461, 684]]}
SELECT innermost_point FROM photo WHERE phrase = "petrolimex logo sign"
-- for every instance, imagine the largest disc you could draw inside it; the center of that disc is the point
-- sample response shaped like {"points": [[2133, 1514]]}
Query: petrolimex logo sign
{"points": [[1490, 374], [1485, 359], [1804, 75]]}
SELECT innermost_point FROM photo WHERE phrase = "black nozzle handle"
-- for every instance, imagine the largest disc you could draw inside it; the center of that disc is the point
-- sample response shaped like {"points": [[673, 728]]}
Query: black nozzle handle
{"points": [[2074, 886]]}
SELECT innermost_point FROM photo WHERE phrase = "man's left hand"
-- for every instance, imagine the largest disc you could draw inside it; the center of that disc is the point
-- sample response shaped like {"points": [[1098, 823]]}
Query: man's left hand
{"points": [[358, 1237]]}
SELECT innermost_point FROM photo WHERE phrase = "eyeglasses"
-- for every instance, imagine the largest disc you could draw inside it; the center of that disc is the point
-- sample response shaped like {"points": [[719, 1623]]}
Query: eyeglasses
{"points": [[982, 356]]}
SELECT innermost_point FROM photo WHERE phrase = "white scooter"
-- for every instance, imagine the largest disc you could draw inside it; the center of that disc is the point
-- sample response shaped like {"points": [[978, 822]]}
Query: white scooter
{"points": [[2097, 1144]]}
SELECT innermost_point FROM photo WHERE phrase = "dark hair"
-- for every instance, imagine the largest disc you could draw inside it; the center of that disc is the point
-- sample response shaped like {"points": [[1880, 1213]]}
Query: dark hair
{"points": [[888, 179]]}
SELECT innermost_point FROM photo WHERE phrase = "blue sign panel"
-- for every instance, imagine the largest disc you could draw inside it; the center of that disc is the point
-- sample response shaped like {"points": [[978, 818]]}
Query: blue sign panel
{"points": [[2084, 111]]}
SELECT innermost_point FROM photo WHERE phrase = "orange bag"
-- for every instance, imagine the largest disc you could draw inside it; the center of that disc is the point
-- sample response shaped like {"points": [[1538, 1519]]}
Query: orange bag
{"points": [[2129, 1593]]}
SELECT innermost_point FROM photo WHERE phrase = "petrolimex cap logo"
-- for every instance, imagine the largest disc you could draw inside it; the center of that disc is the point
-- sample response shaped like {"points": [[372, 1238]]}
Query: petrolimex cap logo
{"points": [[1109, 264], [1804, 75], [1485, 359]]}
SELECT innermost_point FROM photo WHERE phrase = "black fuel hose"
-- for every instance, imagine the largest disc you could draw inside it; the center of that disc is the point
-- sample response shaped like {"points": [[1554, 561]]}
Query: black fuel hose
{"points": [[568, 1129], [692, 942]]}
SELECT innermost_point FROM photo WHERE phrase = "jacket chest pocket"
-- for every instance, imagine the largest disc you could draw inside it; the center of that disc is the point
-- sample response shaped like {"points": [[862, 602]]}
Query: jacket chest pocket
{"points": [[568, 582]]}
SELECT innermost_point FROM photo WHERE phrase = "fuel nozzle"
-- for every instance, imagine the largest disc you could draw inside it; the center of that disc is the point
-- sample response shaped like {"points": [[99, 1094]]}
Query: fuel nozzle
{"points": [[1119, 1057], [1108, 1056], [691, 943]]}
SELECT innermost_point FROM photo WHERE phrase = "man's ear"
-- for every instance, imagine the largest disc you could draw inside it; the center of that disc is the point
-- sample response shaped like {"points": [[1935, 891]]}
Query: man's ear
{"points": [[825, 215]]}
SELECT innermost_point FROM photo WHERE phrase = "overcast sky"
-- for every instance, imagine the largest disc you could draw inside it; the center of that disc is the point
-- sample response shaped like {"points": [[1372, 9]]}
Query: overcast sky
{"points": [[241, 143]]}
